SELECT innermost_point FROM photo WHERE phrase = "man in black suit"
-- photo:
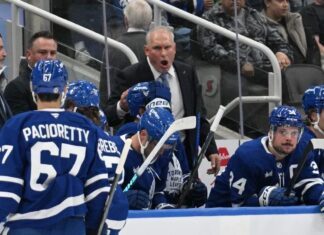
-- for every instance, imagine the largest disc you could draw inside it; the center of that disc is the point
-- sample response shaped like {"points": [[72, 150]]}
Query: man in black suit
{"points": [[41, 46], [186, 98], [5, 112]]}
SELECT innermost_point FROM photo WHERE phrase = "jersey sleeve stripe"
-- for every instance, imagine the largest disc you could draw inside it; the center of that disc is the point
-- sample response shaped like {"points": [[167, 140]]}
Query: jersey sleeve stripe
{"points": [[96, 193], [95, 179], [306, 181], [46, 213], [10, 195], [115, 224], [311, 184], [12, 180]]}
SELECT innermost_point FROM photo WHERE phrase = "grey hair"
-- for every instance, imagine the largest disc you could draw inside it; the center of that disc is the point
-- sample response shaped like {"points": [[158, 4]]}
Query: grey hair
{"points": [[166, 29], [138, 14]]}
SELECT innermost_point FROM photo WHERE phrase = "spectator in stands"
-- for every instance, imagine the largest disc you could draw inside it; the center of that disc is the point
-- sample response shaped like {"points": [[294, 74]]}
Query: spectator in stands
{"points": [[313, 20], [87, 50], [41, 46], [137, 18], [289, 25], [186, 99], [255, 4], [196, 7], [3, 55], [254, 65], [221, 50], [5, 112], [260, 170], [313, 104]]}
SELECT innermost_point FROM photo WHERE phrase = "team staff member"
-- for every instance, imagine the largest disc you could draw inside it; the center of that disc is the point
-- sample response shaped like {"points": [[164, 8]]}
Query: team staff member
{"points": [[186, 99], [41, 46]]}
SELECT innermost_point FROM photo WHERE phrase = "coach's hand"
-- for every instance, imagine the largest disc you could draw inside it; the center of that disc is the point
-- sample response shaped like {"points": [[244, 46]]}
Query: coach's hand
{"points": [[215, 161]]}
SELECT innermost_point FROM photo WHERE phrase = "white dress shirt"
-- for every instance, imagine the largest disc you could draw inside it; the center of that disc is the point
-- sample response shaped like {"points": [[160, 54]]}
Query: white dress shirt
{"points": [[176, 96]]}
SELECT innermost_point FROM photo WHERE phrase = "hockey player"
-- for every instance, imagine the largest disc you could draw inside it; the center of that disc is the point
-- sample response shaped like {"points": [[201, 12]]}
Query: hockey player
{"points": [[52, 180], [153, 94], [313, 104], [147, 191], [259, 170], [82, 97]]}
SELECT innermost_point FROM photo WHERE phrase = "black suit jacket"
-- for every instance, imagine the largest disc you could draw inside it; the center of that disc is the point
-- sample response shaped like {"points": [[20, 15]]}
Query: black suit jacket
{"points": [[190, 91], [5, 112], [18, 93]]}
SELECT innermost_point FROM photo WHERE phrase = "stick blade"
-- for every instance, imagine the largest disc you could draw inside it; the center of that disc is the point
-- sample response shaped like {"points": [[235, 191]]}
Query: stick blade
{"points": [[177, 125], [184, 123]]}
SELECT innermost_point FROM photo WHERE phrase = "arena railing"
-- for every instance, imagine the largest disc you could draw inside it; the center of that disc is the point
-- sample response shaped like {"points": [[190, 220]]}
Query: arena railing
{"points": [[274, 79], [274, 82], [65, 23]]}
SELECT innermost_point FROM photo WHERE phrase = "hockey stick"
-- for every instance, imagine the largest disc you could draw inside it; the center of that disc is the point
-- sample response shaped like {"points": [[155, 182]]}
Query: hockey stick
{"points": [[197, 139], [201, 155], [118, 172], [313, 144], [177, 125]]}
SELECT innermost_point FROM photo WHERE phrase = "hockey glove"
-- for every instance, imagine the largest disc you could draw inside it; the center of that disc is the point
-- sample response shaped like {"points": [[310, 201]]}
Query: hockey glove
{"points": [[321, 203], [275, 196], [197, 195], [138, 200]]}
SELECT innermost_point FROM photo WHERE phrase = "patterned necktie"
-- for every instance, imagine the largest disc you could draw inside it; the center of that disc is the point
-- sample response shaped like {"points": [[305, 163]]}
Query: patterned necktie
{"points": [[164, 77]]}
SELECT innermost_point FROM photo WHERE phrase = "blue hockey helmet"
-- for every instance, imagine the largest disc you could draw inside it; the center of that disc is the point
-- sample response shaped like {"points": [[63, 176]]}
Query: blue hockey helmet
{"points": [[156, 121], [313, 98], [49, 76], [285, 116], [83, 94], [153, 93]]}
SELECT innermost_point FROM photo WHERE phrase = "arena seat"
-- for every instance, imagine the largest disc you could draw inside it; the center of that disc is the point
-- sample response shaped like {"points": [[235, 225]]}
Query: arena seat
{"points": [[297, 78]]}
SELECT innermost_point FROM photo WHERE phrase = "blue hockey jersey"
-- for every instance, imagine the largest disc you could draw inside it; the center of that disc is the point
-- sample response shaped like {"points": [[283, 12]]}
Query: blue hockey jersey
{"points": [[152, 181], [253, 167], [318, 153], [110, 154], [178, 167], [50, 169]]}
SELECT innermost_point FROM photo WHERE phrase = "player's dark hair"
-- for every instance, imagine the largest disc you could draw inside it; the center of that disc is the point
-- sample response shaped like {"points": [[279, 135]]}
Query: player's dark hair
{"points": [[48, 97], [90, 112], [0, 35], [40, 34], [68, 104]]}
